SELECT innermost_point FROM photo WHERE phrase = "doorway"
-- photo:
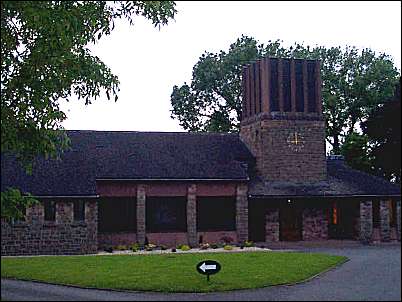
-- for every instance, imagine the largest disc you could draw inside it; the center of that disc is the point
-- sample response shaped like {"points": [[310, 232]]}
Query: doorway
{"points": [[290, 222], [256, 220]]}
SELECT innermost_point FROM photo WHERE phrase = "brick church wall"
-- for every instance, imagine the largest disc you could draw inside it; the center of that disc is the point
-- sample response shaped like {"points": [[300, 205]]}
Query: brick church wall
{"points": [[63, 236], [315, 224], [272, 225], [275, 159]]}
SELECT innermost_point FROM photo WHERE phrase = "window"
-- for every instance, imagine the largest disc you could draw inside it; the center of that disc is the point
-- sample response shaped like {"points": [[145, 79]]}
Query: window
{"points": [[117, 215], [334, 213], [164, 214], [79, 210], [50, 210], [216, 214]]}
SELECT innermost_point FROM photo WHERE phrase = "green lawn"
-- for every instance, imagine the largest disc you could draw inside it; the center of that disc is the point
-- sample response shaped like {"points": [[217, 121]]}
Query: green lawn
{"points": [[170, 272]]}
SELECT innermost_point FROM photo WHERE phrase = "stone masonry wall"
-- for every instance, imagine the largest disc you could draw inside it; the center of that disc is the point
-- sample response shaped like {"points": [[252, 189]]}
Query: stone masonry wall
{"points": [[366, 221], [385, 221], [242, 212], [315, 224], [63, 236], [272, 225], [277, 159]]}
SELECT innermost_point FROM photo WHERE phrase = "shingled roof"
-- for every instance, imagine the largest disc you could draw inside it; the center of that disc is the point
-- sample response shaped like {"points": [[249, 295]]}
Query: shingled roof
{"points": [[174, 156], [130, 155], [341, 181]]}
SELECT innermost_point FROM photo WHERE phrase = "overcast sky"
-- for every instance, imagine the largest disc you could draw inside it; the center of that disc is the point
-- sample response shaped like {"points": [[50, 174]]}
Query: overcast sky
{"points": [[149, 61]]}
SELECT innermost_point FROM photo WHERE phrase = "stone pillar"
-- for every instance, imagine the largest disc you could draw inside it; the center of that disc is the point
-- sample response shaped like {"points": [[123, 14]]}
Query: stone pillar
{"points": [[91, 220], [242, 212], [192, 215], [35, 214], [366, 221], [398, 219], [141, 197], [64, 212], [385, 221], [272, 225]]}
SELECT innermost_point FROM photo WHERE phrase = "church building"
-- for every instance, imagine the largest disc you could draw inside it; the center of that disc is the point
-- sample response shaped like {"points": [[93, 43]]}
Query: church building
{"points": [[270, 182]]}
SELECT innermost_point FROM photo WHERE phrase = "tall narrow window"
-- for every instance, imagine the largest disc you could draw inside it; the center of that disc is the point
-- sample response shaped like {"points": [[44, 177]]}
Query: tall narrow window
{"points": [[50, 210], [335, 213], [79, 210], [392, 213], [376, 214]]}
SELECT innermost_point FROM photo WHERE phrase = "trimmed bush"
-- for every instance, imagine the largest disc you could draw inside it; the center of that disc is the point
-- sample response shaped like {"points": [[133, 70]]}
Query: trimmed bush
{"points": [[185, 247], [121, 247], [248, 243], [228, 247]]}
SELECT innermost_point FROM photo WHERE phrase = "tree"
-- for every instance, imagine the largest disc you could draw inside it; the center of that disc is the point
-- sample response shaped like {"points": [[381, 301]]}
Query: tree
{"points": [[353, 82], [357, 152], [45, 58], [383, 128]]}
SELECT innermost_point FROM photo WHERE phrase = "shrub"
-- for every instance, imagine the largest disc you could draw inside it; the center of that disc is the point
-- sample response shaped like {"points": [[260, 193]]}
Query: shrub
{"points": [[173, 250], [121, 247], [228, 247], [214, 245], [227, 239], [150, 247], [204, 246], [135, 247], [109, 249], [163, 247], [248, 243], [185, 247]]}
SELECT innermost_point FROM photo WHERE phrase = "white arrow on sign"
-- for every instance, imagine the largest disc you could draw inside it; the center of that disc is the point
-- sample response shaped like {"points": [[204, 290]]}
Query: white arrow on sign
{"points": [[205, 267]]}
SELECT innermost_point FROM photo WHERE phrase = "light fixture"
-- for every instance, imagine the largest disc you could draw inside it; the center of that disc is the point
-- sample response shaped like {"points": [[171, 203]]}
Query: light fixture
{"points": [[289, 201]]}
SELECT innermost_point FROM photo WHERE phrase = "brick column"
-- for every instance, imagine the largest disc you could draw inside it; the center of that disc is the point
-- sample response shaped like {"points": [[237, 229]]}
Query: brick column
{"points": [[398, 219], [192, 215], [91, 220], [35, 214], [366, 221], [141, 197], [242, 212], [272, 225], [385, 221], [64, 212]]}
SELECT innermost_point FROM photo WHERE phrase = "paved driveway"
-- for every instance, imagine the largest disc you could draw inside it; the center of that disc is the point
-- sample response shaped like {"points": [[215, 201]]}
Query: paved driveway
{"points": [[372, 274]]}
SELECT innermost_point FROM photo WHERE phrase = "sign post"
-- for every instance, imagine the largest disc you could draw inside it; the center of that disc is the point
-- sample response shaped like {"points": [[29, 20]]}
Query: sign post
{"points": [[208, 267]]}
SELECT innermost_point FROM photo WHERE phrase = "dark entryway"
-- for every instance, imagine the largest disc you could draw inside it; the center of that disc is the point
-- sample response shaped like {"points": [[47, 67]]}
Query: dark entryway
{"points": [[290, 222], [342, 219], [256, 220]]}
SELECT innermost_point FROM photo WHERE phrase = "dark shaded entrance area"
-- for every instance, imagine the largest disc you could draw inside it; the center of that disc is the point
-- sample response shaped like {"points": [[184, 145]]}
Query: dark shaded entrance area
{"points": [[342, 217], [290, 221], [256, 220]]}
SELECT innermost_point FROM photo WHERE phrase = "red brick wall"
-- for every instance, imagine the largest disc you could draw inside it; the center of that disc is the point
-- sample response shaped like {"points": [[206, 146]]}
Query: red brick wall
{"points": [[276, 159]]}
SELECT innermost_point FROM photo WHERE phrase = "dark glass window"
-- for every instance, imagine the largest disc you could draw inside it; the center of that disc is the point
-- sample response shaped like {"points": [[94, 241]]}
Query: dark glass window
{"points": [[274, 92], [117, 215], [312, 102], [216, 214], [299, 86], [50, 210], [79, 210], [286, 86], [166, 214]]}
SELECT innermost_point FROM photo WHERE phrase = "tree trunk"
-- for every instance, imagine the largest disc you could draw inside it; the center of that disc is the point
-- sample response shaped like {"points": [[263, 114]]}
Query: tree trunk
{"points": [[335, 145]]}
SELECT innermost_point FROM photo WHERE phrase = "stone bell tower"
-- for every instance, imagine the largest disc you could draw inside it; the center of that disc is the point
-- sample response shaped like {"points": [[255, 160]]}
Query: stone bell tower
{"points": [[282, 121]]}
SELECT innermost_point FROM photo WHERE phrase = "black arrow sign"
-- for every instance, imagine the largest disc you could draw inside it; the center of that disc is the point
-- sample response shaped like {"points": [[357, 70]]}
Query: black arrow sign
{"points": [[208, 267]]}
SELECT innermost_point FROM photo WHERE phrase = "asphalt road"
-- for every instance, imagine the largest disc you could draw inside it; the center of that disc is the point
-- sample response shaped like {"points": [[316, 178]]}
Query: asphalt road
{"points": [[372, 274]]}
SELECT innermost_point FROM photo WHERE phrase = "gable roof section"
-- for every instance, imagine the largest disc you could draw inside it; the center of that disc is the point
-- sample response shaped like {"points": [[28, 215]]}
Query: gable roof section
{"points": [[341, 181], [130, 155]]}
